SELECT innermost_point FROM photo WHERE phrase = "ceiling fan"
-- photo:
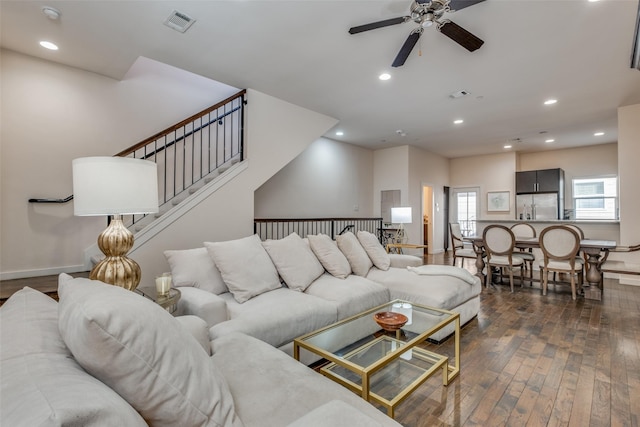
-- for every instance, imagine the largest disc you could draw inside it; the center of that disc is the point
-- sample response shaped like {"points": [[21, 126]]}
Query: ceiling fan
{"points": [[426, 13]]}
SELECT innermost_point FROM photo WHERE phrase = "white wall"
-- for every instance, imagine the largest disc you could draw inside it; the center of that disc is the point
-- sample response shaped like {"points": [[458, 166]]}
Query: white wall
{"points": [[52, 114], [390, 172], [328, 179], [495, 172], [629, 172]]}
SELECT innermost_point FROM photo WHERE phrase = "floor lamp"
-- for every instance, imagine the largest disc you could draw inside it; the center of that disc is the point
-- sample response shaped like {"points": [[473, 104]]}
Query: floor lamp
{"points": [[115, 186], [401, 216]]}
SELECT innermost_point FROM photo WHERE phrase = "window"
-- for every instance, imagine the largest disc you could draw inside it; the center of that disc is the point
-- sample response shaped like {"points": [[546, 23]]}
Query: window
{"points": [[595, 198], [465, 208]]}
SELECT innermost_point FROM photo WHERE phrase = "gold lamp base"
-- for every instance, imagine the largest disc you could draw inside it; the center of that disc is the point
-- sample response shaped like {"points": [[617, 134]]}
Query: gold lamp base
{"points": [[116, 269]]}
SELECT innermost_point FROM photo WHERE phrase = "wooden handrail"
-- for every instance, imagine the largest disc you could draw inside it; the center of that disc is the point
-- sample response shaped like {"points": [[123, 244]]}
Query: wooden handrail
{"points": [[178, 125], [314, 219]]}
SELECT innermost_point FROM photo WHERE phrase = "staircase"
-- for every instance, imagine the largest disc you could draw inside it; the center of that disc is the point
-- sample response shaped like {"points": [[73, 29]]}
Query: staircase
{"points": [[191, 154]]}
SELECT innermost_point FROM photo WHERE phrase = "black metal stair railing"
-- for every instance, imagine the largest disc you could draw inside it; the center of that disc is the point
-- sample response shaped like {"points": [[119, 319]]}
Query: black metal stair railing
{"points": [[189, 151], [278, 228]]}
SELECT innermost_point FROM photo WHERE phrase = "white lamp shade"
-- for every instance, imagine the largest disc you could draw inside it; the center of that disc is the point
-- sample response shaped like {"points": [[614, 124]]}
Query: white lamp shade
{"points": [[114, 186], [401, 215]]}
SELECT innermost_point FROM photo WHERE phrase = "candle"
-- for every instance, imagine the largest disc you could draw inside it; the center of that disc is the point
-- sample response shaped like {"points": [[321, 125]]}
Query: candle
{"points": [[163, 284]]}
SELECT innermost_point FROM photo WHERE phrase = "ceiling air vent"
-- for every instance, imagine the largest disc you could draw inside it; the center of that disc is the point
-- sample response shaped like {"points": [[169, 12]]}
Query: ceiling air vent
{"points": [[179, 21], [458, 94]]}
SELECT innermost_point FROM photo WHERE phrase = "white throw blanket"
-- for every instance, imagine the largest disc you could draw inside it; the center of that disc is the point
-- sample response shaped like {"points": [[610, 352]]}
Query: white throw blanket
{"points": [[445, 270]]}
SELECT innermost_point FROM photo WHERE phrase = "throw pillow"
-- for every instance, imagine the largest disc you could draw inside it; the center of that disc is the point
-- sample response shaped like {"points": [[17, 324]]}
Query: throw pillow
{"points": [[294, 260], [374, 249], [355, 253], [329, 255], [140, 351], [245, 266], [41, 382], [194, 267]]}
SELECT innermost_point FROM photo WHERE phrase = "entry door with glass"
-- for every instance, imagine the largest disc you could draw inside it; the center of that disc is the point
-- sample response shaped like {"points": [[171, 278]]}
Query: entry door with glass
{"points": [[465, 208]]}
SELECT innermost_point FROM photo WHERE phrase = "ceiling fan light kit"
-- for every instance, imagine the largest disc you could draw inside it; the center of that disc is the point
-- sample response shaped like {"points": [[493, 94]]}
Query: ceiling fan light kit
{"points": [[425, 13]]}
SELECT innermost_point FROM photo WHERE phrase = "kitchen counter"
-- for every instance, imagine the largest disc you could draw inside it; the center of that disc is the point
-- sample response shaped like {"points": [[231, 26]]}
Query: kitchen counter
{"points": [[593, 229]]}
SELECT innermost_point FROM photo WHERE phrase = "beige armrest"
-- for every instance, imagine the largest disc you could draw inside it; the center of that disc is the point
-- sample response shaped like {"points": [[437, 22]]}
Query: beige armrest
{"points": [[404, 261], [203, 304]]}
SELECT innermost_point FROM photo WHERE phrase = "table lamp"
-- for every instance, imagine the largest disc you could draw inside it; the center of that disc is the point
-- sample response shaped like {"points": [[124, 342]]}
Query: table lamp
{"points": [[401, 216], [115, 186]]}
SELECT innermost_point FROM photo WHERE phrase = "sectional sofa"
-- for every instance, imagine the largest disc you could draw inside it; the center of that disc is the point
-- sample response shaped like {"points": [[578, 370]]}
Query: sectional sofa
{"points": [[277, 290], [104, 356]]}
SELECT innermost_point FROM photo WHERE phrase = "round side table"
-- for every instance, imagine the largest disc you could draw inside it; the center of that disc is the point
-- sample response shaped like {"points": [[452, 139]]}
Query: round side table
{"points": [[169, 302]]}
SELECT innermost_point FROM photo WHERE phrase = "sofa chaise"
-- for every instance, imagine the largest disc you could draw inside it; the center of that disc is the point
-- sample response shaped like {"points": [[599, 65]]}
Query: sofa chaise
{"points": [[277, 290], [105, 356]]}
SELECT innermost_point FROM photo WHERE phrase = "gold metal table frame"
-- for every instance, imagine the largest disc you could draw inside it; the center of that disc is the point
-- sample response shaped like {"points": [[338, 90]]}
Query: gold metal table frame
{"points": [[370, 364]]}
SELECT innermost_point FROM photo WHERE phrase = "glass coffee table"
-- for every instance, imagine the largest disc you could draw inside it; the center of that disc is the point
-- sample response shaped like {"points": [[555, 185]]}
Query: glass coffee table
{"points": [[384, 367]]}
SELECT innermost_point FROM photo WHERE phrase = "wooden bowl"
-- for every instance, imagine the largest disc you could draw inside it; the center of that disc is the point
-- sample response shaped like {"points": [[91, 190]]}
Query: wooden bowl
{"points": [[390, 321]]}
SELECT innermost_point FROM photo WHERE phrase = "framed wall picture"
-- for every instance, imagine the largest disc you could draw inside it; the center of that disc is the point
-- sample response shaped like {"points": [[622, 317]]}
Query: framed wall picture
{"points": [[497, 201]]}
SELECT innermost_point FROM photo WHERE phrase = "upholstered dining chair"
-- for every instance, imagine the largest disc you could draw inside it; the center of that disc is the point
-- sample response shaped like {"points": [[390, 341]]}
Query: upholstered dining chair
{"points": [[523, 229], [499, 242], [459, 250], [560, 245]]}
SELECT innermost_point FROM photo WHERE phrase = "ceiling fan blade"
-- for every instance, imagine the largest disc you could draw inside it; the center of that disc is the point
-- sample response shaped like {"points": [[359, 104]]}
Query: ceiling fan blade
{"points": [[379, 24], [406, 49], [461, 4], [461, 36]]}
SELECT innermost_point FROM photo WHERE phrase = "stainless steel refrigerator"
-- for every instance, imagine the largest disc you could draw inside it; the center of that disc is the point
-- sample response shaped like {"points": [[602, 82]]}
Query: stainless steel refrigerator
{"points": [[539, 206]]}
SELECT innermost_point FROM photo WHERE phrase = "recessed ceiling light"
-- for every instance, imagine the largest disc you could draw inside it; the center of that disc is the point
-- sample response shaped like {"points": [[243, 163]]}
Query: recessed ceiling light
{"points": [[548, 141], [598, 134], [339, 133], [458, 121], [550, 101], [51, 13], [48, 45], [384, 76], [507, 146]]}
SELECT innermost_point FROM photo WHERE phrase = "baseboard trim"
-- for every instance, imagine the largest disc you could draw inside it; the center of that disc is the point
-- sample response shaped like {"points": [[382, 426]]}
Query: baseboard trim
{"points": [[11, 275]]}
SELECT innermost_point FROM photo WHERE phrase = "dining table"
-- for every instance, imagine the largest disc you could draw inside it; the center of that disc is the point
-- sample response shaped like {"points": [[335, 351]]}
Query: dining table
{"points": [[595, 250]]}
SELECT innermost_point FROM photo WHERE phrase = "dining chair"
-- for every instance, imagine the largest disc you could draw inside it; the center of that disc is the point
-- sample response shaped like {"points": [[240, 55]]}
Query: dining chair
{"points": [[581, 255], [560, 245], [459, 250], [525, 230], [499, 243]]}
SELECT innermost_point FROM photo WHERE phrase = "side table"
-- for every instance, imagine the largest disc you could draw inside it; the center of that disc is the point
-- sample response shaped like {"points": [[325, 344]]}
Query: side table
{"points": [[169, 302]]}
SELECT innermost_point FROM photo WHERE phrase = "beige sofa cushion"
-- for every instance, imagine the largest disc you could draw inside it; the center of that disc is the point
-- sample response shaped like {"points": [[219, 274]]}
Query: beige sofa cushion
{"points": [[276, 317], [194, 267], [335, 413], [329, 255], [355, 253], [294, 260], [374, 249], [139, 350], [245, 266], [41, 382], [248, 364], [351, 296]]}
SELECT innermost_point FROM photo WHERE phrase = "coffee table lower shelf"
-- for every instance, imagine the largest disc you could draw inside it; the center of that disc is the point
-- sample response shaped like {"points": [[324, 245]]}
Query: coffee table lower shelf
{"points": [[394, 382], [384, 367]]}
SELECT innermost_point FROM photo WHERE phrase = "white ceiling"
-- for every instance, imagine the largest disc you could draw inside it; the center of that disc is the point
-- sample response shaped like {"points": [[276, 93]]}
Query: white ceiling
{"points": [[300, 51]]}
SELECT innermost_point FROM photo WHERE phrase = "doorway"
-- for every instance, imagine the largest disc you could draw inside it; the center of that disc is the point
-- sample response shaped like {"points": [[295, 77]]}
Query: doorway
{"points": [[427, 218], [465, 206]]}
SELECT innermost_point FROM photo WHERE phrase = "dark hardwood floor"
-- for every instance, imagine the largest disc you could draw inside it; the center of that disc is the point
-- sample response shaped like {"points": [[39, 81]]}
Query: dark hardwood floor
{"points": [[533, 360], [529, 360]]}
